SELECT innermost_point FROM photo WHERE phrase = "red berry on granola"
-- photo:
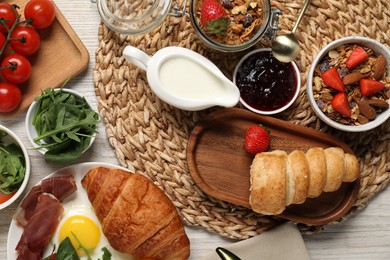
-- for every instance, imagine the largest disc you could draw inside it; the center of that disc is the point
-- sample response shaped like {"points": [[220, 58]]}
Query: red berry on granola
{"points": [[369, 87], [340, 104], [357, 57], [214, 17], [332, 79]]}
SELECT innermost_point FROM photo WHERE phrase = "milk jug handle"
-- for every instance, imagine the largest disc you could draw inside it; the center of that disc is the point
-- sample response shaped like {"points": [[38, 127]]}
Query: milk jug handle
{"points": [[136, 56]]}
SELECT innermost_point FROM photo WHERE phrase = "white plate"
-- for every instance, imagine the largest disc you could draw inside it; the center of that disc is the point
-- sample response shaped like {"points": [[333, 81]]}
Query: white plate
{"points": [[78, 171]]}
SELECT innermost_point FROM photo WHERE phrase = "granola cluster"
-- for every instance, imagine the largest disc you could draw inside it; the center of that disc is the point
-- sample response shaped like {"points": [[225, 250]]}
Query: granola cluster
{"points": [[245, 18], [363, 108]]}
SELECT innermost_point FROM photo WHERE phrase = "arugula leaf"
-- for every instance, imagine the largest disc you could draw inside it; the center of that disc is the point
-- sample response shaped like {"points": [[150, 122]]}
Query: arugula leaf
{"points": [[66, 251], [65, 125], [12, 166], [106, 254]]}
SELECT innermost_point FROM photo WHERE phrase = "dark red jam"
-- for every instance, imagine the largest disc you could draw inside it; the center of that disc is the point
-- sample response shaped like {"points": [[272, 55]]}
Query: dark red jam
{"points": [[265, 83]]}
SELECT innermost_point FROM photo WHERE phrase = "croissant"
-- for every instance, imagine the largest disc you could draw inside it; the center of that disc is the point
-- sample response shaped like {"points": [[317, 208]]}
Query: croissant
{"points": [[136, 216], [279, 179]]}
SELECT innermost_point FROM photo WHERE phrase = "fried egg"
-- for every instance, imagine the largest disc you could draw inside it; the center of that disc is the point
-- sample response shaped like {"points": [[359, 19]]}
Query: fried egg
{"points": [[81, 225]]}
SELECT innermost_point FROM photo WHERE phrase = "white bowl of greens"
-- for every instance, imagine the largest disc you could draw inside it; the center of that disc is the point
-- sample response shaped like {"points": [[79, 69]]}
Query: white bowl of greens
{"points": [[14, 167], [61, 124]]}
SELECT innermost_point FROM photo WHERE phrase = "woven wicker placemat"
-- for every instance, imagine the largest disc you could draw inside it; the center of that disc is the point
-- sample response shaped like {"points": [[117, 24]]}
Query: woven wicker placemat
{"points": [[152, 136]]}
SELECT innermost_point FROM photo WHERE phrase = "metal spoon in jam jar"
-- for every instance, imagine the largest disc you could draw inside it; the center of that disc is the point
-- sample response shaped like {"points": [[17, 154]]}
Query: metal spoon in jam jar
{"points": [[286, 47]]}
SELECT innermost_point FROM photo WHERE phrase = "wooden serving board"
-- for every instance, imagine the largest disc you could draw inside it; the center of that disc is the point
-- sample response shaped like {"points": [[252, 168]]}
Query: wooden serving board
{"points": [[61, 56], [220, 165]]}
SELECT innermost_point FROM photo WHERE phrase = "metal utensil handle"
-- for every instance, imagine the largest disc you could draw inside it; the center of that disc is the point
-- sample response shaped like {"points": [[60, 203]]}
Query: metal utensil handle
{"points": [[178, 12], [273, 25], [225, 254], [306, 4]]}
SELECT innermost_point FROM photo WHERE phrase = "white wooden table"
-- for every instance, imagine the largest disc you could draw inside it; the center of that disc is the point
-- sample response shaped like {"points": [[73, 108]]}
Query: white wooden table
{"points": [[365, 235]]}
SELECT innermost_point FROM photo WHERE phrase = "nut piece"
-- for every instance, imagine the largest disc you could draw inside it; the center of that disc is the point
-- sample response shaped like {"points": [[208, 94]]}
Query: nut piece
{"points": [[366, 110], [362, 119], [333, 54], [380, 67], [352, 77], [378, 103]]}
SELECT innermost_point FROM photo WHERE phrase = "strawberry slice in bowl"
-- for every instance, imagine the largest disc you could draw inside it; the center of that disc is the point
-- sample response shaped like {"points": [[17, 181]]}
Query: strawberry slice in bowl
{"points": [[357, 57], [332, 78], [340, 104], [369, 87]]}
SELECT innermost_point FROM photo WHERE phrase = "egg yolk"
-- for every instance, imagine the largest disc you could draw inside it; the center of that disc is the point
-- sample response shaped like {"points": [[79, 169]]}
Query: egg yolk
{"points": [[86, 231]]}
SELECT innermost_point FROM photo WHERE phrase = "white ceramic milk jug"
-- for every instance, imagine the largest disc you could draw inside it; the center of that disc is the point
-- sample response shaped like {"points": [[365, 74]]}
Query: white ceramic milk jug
{"points": [[184, 78]]}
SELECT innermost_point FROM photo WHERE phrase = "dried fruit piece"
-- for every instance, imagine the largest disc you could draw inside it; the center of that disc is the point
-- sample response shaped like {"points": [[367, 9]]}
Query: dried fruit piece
{"points": [[332, 79], [227, 4], [369, 87], [352, 78], [380, 68], [341, 105], [366, 110], [357, 57]]}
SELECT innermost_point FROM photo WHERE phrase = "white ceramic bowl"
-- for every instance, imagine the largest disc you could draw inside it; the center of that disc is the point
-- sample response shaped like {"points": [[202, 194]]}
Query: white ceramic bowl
{"points": [[378, 49], [32, 133], [12, 138], [280, 109]]}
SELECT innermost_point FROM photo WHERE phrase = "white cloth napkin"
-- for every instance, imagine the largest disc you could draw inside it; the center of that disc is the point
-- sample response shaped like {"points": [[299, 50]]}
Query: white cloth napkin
{"points": [[280, 243]]}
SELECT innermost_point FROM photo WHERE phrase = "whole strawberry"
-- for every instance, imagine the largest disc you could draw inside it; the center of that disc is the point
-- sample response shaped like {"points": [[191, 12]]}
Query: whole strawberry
{"points": [[214, 17], [257, 140]]}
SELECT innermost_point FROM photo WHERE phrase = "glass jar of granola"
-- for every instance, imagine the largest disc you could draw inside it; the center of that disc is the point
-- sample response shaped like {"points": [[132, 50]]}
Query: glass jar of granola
{"points": [[233, 25]]}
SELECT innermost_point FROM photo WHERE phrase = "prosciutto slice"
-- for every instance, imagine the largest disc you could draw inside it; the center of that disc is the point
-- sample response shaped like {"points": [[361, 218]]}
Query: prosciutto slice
{"points": [[26, 209], [40, 227], [60, 186]]}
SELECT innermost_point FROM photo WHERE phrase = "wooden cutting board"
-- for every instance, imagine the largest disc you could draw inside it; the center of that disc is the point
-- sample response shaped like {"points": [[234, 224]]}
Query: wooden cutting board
{"points": [[220, 165], [61, 56]]}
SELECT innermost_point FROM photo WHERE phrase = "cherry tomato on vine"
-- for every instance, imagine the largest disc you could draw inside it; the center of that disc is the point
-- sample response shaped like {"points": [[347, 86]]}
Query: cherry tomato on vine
{"points": [[41, 12], [2, 40], [10, 97], [8, 15], [25, 40], [15, 68]]}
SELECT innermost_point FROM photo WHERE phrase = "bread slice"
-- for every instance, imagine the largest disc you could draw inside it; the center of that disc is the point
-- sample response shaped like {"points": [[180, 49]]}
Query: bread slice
{"points": [[335, 168], [298, 171], [317, 164], [268, 178]]}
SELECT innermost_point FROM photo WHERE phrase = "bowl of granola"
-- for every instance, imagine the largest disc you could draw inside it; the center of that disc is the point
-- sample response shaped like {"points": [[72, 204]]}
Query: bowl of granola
{"points": [[231, 26], [348, 84]]}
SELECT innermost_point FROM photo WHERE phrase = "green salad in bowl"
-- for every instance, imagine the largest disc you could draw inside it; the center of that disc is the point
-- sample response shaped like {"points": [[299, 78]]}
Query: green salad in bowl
{"points": [[14, 167], [61, 124]]}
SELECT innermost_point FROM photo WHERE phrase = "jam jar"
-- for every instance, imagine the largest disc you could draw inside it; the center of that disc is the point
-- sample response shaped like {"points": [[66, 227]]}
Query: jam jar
{"points": [[267, 86]]}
